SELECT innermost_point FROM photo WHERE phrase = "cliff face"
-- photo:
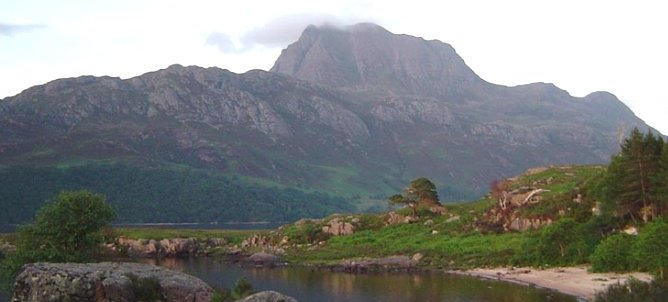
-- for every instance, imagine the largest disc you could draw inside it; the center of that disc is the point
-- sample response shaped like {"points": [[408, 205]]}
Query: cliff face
{"points": [[366, 56], [349, 111]]}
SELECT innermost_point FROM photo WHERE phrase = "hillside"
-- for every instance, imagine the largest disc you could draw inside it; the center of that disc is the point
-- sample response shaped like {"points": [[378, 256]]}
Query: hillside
{"points": [[353, 112], [464, 236]]}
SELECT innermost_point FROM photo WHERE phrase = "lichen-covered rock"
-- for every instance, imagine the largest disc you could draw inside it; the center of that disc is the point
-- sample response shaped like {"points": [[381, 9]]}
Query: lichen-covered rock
{"points": [[394, 218], [51, 282], [268, 296], [338, 227]]}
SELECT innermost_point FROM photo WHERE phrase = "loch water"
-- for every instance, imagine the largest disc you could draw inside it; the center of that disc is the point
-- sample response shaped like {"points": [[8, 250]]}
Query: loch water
{"points": [[307, 284]]}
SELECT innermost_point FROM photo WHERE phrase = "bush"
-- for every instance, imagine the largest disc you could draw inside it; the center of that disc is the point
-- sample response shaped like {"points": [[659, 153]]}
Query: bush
{"points": [[371, 222], [561, 243], [242, 288], [68, 230], [613, 254], [651, 248], [308, 232], [635, 291]]}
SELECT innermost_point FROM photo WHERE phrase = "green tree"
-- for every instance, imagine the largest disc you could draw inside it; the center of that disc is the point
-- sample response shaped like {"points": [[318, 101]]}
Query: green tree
{"points": [[422, 189], [651, 247], [632, 180], [613, 254], [398, 199], [662, 180], [67, 230]]}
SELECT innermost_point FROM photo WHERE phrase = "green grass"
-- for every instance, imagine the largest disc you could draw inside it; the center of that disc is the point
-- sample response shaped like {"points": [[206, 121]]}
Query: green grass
{"points": [[232, 236], [458, 243], [465, 250]]}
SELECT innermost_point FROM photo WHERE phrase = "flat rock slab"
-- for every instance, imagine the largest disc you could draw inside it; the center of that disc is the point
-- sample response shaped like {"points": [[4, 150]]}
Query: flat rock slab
{"points": [[106, 281]]}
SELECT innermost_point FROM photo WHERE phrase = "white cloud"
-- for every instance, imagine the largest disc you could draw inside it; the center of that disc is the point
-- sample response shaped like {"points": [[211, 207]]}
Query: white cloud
{"points": [[277, 33], [7, 29], [222, 41]]}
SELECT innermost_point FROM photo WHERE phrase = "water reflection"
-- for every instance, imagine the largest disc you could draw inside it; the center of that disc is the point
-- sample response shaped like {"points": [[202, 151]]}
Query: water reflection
{"points": [[308, 285]]}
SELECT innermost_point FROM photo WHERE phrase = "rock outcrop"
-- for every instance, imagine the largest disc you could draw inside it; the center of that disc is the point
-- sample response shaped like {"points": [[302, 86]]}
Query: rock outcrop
{"points": [[396, 218], [268, 296], [338, 227], [76, 282], [175, 247]]}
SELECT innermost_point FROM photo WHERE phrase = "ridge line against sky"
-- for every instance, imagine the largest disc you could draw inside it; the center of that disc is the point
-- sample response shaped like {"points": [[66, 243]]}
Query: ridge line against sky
{"points": [[580, 46]]}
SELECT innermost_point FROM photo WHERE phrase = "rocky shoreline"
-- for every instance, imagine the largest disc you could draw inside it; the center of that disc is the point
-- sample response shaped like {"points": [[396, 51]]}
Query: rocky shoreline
{"points": [[574, 281]]}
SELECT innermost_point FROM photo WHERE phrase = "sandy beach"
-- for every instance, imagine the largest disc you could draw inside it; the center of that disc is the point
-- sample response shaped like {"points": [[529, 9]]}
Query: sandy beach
{"points": [[574, 281]]}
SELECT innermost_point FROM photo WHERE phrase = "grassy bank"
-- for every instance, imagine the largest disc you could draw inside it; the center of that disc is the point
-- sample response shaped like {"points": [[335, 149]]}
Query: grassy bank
{"points": [[232, 236], [467, 235]]}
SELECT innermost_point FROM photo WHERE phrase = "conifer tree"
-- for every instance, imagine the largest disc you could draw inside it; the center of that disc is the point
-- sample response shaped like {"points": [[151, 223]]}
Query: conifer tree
{"points": [[634, 178]]}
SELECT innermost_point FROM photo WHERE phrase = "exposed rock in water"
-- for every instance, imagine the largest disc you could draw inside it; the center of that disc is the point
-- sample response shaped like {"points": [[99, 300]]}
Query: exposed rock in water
{"points": [[51, 282], [393, 263], [268, 296], [262, 259]]}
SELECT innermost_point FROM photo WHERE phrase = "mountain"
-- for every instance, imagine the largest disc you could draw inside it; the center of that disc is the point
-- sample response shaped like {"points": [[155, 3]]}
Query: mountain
{"points": [[354, 112], [368, 57]]}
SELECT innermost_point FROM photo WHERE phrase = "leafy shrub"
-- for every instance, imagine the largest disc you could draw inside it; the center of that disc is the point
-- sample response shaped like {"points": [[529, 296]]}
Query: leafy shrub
{"points": [[308, 232], [241, 289], [371, 222], [651, 248], [613, 254], [67, 230], [561, 243], [635, 291]]}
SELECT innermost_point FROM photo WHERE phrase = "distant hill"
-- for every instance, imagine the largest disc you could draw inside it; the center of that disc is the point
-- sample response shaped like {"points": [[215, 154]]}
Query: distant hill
{"points": [[354, 112]]}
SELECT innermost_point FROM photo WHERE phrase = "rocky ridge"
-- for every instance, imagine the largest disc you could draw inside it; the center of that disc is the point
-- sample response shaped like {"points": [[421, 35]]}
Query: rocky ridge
{"points": [[355, 111]]}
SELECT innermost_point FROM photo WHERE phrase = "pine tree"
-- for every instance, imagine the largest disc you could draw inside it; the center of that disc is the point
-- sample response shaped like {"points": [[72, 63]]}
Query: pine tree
{"points": [[634, 179], [662, 182]]}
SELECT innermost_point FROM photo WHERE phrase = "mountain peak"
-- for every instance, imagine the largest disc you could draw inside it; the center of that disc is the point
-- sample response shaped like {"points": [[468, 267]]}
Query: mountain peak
{"points": [[366, 56]]}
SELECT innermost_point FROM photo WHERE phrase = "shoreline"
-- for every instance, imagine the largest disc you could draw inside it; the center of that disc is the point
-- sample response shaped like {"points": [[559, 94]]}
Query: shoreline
{"points": [[573, 281]]}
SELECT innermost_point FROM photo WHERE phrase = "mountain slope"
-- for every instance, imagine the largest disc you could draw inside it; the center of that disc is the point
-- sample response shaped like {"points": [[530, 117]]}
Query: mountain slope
{"points": [[354, 112]]}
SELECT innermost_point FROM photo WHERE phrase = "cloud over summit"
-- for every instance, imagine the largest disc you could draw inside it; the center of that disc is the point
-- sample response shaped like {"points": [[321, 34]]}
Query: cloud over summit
{"points": [[278, 32]]}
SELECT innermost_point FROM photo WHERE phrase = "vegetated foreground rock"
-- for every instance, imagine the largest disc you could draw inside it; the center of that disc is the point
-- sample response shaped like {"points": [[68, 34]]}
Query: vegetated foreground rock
{"points": [[45, 282]]}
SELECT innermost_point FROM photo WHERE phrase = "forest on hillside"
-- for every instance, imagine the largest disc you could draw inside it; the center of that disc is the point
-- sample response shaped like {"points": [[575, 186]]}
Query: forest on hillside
{"points": [[160, 195]]}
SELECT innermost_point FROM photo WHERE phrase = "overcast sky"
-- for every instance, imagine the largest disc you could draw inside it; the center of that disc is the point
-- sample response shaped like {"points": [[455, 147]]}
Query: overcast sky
{"points": [[581, 46]]}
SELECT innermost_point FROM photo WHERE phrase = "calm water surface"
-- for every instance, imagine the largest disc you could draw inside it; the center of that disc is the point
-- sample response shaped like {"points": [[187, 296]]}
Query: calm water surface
{"points": [[308, 285]]}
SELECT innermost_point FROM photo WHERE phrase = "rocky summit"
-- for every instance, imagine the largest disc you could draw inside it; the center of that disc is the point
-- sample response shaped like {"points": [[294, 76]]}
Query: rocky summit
{"points": [[354, 111]]}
